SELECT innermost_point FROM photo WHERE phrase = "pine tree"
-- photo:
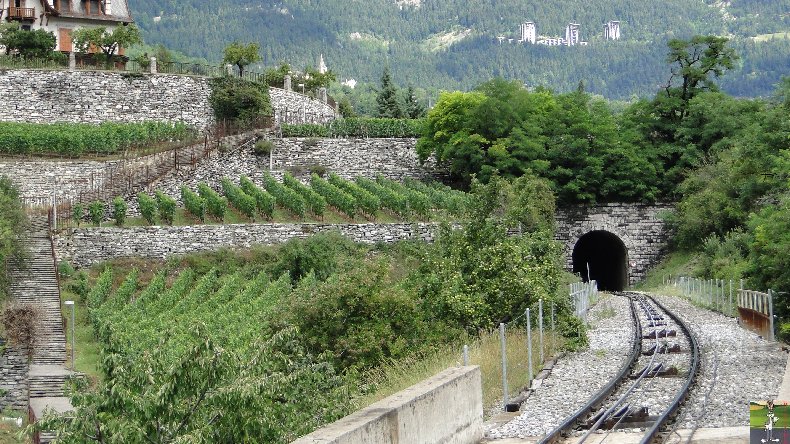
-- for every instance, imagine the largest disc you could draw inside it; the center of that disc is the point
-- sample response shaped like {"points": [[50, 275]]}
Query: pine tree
{"points": [[413, 108], [388, 97]]}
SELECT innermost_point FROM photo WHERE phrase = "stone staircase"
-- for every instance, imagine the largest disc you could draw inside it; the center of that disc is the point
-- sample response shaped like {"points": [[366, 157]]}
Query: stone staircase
{"points": [[37, 285]]}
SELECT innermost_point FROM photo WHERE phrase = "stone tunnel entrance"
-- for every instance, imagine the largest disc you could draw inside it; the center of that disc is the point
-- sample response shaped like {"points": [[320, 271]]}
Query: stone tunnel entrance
{"points": [[607, 257]]}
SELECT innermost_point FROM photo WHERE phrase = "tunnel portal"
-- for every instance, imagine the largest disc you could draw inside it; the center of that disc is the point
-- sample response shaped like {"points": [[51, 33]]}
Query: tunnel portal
{"points": [[607, 258]]}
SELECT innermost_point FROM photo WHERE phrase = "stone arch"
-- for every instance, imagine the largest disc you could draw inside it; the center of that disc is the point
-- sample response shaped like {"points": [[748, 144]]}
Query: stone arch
{"points": [[602, 256]]}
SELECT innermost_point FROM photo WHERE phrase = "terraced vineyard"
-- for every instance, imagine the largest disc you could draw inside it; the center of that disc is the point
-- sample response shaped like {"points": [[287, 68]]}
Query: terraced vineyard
{"points": [[322, 200]]}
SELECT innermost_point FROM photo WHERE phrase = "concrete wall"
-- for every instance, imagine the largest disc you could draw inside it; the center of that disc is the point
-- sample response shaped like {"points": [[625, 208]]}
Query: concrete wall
{"points": [[639, 226], [447, 409], [46, 96], [87, 246]]}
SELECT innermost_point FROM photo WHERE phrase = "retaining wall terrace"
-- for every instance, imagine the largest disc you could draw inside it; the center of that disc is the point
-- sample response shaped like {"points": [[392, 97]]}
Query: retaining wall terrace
{"points": [[47, 96], [84, 247], [641, 228], [444, 409], [13, 378], [393, 158], [42, 96]]}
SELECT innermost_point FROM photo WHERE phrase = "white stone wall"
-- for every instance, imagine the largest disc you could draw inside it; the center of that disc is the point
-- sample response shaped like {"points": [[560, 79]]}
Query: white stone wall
{"points": [[40, 96], [87, 246], [45, 96]]}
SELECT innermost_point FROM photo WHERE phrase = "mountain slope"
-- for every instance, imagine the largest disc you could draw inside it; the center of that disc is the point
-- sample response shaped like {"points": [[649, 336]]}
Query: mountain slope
{"points": [[358, 37]]}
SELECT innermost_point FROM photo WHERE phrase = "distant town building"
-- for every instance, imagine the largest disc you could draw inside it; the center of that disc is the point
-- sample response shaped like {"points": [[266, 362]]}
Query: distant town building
{"points": [[572, 34], [528, 33], [62, 17], [611, 30], [351, 83]]}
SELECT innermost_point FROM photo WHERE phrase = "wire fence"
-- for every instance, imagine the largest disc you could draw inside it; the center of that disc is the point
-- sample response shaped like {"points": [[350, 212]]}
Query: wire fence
{"points": [[754, 309], [537, 338], [131, 176]]}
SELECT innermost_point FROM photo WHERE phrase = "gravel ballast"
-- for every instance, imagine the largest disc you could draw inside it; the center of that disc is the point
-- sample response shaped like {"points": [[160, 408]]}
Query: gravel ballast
{"points": [[737, 367], [576, 377]]}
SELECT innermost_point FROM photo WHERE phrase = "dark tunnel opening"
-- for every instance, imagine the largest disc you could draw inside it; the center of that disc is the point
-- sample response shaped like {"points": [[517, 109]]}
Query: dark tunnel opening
{"points": [[607, 258]]}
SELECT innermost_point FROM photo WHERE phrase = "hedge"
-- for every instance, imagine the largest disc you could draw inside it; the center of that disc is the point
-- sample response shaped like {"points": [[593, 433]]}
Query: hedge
{"points": [[358, 127], [76, 139]]}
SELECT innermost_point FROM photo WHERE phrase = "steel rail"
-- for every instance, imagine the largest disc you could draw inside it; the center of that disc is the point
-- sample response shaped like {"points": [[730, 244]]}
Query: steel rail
{"points": [[652, 433], [601, 396]]}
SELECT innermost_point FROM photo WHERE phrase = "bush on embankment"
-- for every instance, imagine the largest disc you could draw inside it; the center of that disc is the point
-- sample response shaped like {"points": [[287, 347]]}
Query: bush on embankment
{"points": [[358, 127], [77, 139]]}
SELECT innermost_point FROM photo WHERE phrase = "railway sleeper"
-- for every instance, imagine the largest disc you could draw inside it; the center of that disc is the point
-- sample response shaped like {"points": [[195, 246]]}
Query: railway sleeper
{"points": [[658, 371], [624, 415], [663, 349], [663, 333]]}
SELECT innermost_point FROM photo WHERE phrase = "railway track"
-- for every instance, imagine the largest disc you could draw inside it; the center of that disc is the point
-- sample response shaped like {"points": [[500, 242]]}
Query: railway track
{"points": [[651, 385]]}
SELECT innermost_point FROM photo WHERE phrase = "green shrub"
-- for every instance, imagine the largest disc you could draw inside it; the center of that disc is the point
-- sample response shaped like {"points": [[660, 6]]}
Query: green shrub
{"points": [[305, 130], [216, 206], [65, 269], [390, 199], [166, 206], [418, 202], [237, 99], [96, 212], [369, 203], [286, 197], [76, 139], [358, 127], [77, 213], [147, 207], [263, 200], [263, 147], [194, 204], [119, 208], [315, 201], [240, 200], [335, 196], [80, 285], [318, 170]]}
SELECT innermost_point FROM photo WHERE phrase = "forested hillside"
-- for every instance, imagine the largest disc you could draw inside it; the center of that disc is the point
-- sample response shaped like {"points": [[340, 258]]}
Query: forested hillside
{"points": [[452, 44]]}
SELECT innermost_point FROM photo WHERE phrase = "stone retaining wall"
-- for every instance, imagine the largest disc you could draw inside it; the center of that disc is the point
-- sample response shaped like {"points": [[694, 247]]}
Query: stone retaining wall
{"points": [[46, 96], [292, 107], [393, 158], [41, 96], [87, 246], [640, 227], [13, 378]]}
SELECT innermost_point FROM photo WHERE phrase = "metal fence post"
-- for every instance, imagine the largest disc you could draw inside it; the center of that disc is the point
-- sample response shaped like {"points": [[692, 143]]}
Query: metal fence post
{"points": [[771, 313], [529, 348], [553, 330], [504, 364], [540, 328], [729, 306], [466, 355]]}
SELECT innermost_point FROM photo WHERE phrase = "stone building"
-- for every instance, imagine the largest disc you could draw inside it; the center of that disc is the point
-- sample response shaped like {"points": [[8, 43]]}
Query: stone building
{"points": [[62, 17], [611, 30]]}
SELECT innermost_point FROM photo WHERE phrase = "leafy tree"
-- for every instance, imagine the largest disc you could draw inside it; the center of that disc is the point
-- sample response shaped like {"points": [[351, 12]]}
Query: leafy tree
{"points": [[109, 42], [286, 391], [413, 109], [694, 65], [387, 98], [12, 222], [239, 99], [96, 211], [242, 55], [346, 110], [37, 44], [119, 208]]}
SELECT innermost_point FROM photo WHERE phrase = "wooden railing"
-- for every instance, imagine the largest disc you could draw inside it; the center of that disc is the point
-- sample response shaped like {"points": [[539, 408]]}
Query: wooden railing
{"points": [[21, 13]]}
